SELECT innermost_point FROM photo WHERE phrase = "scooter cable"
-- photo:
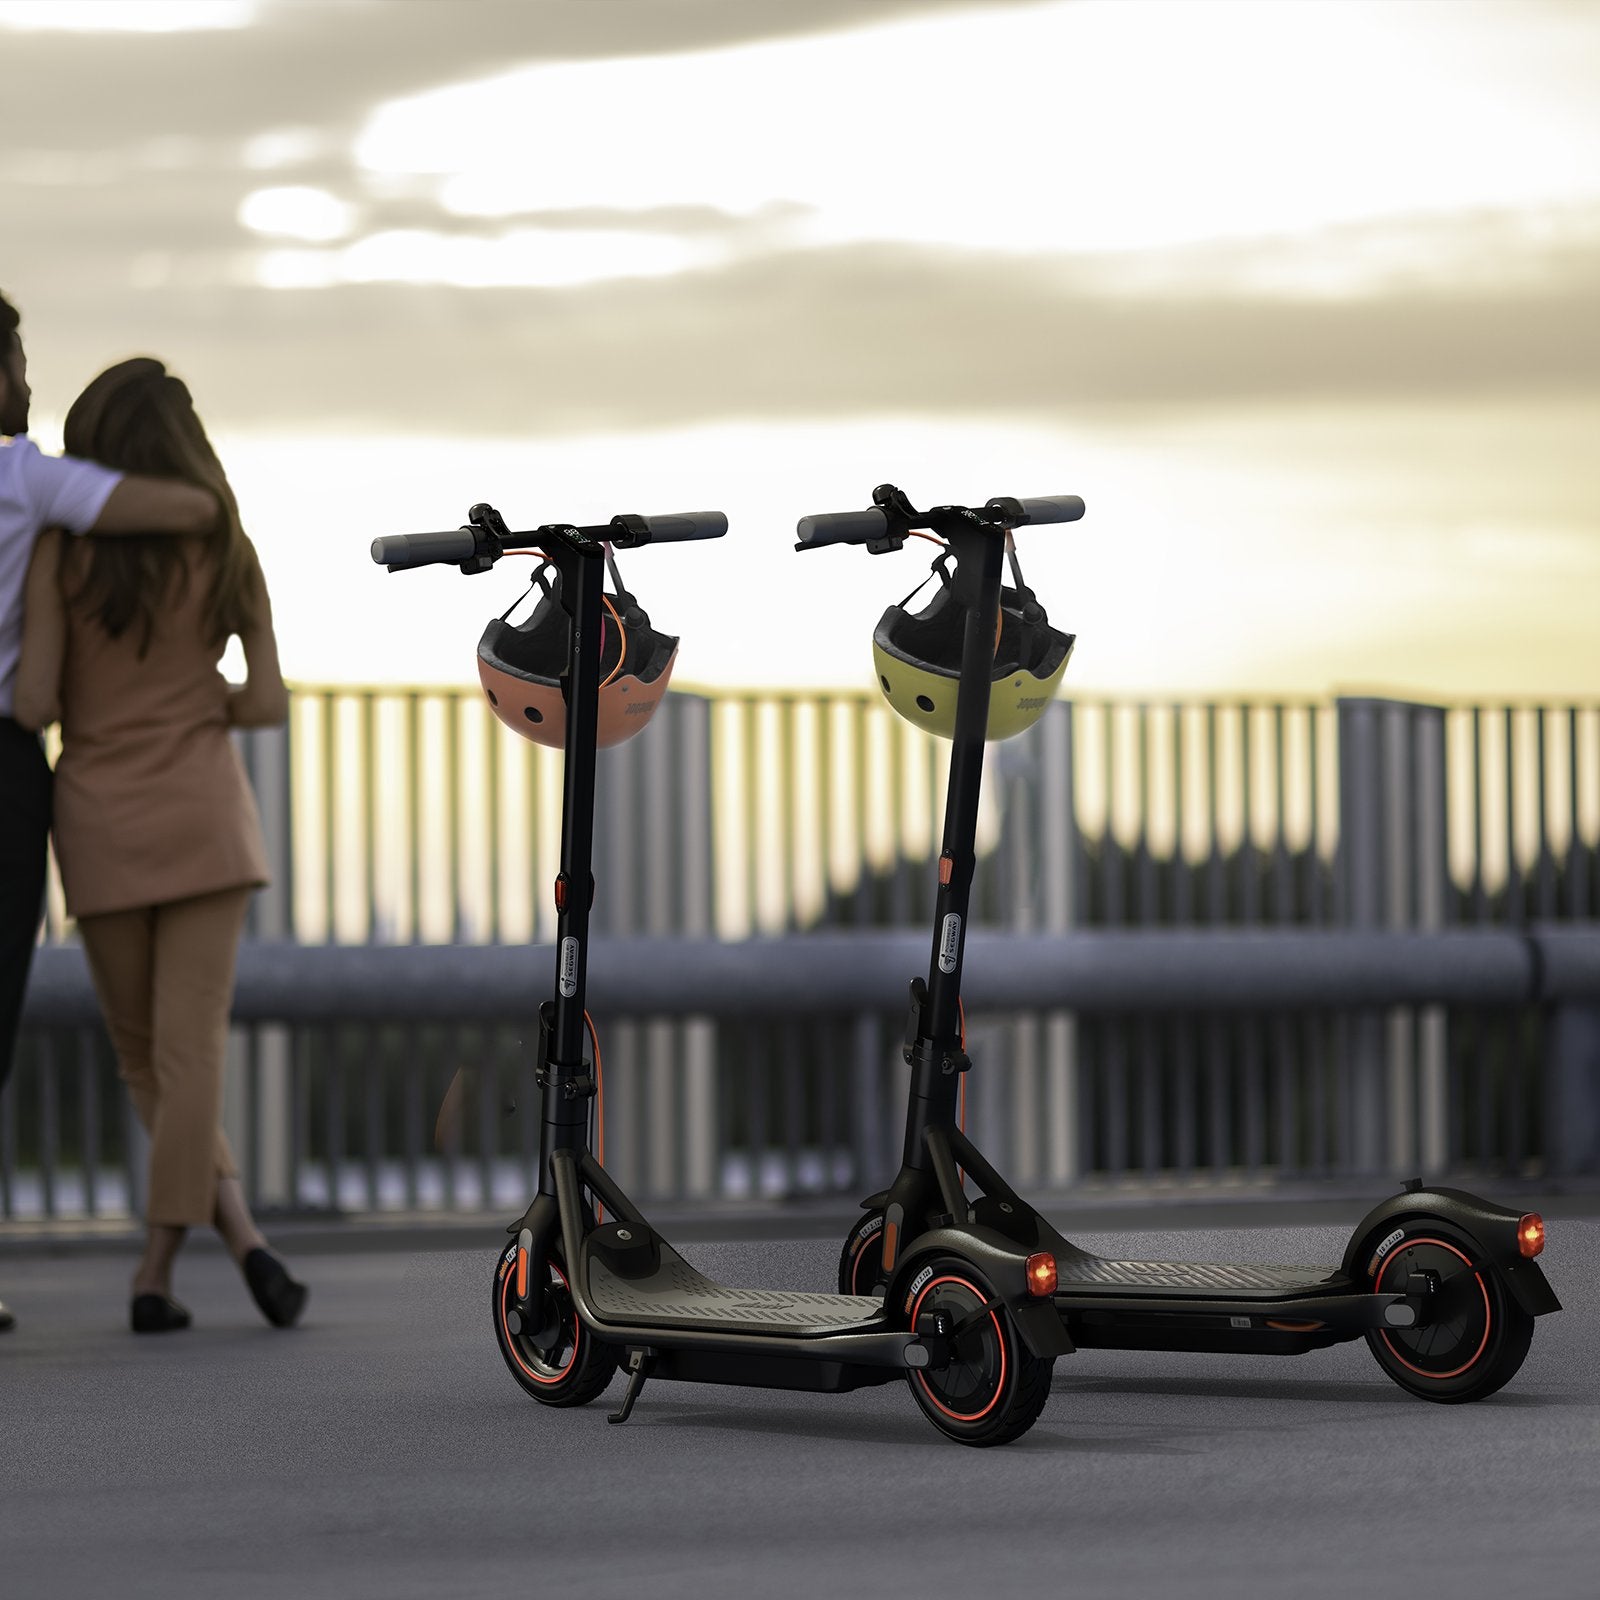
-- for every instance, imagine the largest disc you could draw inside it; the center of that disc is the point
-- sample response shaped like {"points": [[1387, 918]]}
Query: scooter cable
{"points": [[599, 1104]]}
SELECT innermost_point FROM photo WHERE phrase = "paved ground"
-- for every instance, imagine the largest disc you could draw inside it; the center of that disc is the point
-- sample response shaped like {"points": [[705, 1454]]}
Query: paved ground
{"points": [[382, 1450]]}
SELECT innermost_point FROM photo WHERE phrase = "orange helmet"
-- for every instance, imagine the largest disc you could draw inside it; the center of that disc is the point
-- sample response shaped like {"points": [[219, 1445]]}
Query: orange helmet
{"points": [[521, 666]]}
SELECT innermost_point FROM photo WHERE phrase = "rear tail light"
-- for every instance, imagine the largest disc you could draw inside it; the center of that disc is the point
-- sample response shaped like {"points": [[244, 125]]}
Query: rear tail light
{"points": [[1530, 1234], [1042, 1274]]}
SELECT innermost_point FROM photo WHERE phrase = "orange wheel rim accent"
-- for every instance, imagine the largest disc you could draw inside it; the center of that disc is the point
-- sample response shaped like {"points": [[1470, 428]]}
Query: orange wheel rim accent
{"points": [[1488, 1314], [1000, 1336], [516, 1355]]}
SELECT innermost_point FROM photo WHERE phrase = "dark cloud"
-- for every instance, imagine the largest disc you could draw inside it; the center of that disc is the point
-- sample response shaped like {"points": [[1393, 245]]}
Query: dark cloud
{"points": [[858, 330], [325, 65]]}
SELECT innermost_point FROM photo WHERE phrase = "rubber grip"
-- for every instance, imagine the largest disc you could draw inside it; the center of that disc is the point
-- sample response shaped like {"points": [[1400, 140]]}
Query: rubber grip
{"points": [[680, 526], [397, 551], [841, 527], [1044, 508]]}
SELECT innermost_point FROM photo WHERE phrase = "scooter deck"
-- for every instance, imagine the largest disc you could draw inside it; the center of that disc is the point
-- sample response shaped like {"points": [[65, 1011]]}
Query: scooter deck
{"points": [[675, 1295], [1081, 1272]]}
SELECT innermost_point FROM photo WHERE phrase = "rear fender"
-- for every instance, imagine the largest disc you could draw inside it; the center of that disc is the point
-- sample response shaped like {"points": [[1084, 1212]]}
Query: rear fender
{"points": [[1002, 1265], [1491, 1226]]}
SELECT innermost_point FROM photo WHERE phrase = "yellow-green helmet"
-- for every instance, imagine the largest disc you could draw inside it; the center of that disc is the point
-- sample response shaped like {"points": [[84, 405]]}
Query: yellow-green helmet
{"points": [[918, 658]]}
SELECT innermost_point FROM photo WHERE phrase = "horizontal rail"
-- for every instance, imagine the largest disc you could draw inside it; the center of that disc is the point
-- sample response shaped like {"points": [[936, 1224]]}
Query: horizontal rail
{"points": [[845, 973]]}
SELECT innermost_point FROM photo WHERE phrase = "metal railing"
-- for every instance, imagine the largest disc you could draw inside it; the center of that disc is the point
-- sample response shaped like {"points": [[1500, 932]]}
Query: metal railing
{"points": [[407, 816]]}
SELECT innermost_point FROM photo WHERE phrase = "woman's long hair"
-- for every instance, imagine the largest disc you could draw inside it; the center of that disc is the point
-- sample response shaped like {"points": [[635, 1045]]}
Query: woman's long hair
{"points": [[138, 418]]}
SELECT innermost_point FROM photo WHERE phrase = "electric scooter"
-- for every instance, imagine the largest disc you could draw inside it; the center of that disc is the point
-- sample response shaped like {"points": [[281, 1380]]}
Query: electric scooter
{"points": [[963, 1316], [1441, 1283]]}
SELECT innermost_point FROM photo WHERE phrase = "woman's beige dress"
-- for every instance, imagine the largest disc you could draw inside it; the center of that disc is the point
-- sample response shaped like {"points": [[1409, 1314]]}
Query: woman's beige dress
{"points": [[151, 799]]}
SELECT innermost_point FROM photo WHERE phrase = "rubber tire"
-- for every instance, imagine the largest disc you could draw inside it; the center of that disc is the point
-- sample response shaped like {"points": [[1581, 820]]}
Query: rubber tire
{"points": [[862, 1253], [592, 1364], [1024, 1379], [1504, 1343]]}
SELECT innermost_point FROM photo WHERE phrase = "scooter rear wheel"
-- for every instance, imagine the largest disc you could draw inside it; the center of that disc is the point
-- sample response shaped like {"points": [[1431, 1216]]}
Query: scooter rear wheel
{"points": [[1476, 1346], [994, 1388], [562, 1364]]}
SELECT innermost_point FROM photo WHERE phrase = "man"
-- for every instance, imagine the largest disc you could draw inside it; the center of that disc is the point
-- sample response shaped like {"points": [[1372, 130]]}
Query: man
{"points": [[39, 491]]}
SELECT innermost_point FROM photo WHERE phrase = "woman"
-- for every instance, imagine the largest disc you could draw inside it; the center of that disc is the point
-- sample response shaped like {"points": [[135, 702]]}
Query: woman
{"points": [[155, 826]]}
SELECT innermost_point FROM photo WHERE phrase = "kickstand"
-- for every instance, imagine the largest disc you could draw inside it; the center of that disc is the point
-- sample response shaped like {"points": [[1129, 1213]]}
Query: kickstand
{"points": [[639, 1364]]}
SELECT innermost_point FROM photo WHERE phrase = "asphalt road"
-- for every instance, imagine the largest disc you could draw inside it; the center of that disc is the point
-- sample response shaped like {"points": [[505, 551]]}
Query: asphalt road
{"points": [[382, 1450]]}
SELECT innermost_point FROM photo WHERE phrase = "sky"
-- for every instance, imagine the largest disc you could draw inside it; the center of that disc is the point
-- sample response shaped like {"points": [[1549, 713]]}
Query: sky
{"points": [[1303, 299]]}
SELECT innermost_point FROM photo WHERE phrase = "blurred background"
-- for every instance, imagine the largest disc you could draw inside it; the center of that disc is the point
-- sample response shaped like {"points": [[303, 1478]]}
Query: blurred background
{"points": [[1304, 299]]}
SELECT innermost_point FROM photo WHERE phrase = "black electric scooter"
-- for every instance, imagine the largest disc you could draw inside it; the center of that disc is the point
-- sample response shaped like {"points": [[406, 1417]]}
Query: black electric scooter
{"points": [[1443, 1284], [964, 1315]]}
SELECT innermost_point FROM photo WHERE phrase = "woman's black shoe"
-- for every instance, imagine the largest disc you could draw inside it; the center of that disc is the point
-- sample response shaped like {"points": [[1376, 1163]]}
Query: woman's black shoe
{"points": [[280, 1298], [155, 1313]]}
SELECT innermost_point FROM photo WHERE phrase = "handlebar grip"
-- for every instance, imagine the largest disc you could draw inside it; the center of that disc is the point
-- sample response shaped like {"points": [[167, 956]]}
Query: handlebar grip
{"points": [[841, 527], [1042, 508], [397, 551], [677, 527]]}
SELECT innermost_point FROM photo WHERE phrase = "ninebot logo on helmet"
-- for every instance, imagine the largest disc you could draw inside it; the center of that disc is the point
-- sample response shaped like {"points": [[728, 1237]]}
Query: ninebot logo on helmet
{"points": [[1033, 704], [950, 942], [639, 708], [569, 966]]}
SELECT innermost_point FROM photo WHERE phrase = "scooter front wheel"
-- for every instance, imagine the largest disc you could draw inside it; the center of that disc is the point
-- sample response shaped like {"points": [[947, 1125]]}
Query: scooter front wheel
{"points": [[1480, 1336], [993, 1388], [561, 1364]]}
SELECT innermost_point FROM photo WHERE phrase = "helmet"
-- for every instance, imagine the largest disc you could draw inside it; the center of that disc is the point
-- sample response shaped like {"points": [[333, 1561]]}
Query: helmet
{"points": [[918, 658], [522, 666]]}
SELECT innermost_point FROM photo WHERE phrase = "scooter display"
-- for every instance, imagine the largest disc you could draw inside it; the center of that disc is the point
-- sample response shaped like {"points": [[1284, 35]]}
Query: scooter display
{"points": [[963, 1314], [1442, 1284]]}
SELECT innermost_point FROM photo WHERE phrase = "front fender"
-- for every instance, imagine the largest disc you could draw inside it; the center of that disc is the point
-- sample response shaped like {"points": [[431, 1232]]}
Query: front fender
{"points": [[1492, 1226]]}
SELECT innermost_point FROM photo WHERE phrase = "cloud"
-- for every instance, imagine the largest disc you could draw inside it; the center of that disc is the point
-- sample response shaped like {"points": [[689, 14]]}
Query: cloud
{"points": [[865, 329]]}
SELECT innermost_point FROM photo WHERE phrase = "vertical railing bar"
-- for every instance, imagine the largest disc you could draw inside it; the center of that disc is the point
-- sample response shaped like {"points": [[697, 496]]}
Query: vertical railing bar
{"points": [[1149, 910], [450, 708], [899, 867], [1480, 892], [328, 700], [89, 1120], [411, 1123], [369, 807], [414, 806], [1185, 1145], [1547, 882], [1249, 875], [1577, 884], [49, 1129], [1182, 877], [1282, 877], [1216, 895], [1314, 907], [493, 931], [1516, 908], [750, 722], [1110, 865], [334, 1132], [373, 1074]]}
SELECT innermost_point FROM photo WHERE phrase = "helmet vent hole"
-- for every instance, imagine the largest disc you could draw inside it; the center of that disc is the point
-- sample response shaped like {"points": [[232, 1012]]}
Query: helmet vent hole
{"points": [[492, 700], [924, 703], [533, 713], [885, 682]]}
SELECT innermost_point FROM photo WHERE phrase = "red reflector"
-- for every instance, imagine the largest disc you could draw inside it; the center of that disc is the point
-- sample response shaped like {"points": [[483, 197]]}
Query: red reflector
{"points": [[947, 867], [561, 894], [1530, 1234], [1042, 1274]]}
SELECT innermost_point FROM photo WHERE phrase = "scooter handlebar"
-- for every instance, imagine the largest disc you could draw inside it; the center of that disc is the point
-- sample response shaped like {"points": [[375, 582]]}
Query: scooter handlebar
{"points": [[451, 546], [676, 527], [841, 527], [1042, 508]]}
